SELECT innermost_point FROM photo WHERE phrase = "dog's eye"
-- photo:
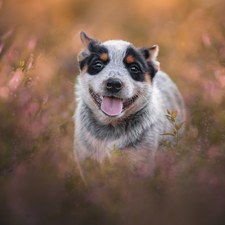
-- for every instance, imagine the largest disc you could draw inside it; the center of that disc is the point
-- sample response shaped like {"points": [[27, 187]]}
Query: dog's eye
{"points": [[134, 69], [97, 65]]}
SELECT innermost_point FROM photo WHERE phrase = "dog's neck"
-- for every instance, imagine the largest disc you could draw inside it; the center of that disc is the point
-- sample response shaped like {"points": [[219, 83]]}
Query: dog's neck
{"points": [[112, 131]]}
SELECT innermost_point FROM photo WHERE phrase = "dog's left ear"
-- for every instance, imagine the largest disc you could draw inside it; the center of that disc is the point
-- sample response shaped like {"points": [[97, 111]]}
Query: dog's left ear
{"points": [[151, 54]]}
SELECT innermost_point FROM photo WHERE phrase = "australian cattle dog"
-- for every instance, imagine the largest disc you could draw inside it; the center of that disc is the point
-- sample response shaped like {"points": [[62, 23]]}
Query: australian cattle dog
{"points": [[122, 97]]}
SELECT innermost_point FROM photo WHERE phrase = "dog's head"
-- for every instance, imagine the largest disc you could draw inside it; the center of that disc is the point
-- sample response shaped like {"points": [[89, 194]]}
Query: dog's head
{"points": [[115, 76]]}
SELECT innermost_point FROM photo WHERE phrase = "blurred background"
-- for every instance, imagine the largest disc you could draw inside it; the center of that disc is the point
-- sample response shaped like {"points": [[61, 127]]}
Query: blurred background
{"points": [[39, 181]]}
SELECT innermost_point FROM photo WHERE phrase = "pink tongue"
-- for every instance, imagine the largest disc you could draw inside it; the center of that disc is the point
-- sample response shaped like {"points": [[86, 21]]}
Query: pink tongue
{"points": [[111, 106]]}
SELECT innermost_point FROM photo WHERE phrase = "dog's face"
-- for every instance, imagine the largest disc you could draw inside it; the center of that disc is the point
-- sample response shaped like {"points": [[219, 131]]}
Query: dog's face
{"points": [[115, 77]]}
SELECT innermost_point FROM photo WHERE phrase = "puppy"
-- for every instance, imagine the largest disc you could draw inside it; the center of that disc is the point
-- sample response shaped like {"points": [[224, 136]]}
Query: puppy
{"points": [[122, 98]]}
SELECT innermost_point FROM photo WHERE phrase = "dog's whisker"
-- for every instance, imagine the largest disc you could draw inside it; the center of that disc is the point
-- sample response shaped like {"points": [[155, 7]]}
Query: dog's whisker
{"points": [[143, 96]]}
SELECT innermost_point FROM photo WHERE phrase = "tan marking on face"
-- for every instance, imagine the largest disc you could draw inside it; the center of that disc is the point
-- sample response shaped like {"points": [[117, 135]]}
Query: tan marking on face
{"points": [[147, 78], [84, 70], [130, 59], [104, 57]]}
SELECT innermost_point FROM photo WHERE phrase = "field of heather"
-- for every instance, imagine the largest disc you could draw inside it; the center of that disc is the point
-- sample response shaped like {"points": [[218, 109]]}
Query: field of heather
{"points": [[39, 180]]}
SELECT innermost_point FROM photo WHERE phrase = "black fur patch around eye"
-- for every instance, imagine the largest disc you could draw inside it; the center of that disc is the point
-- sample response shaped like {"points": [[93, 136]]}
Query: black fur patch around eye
{"points": [[96, 51], [140, 55], [138, 62], [92, 62]]}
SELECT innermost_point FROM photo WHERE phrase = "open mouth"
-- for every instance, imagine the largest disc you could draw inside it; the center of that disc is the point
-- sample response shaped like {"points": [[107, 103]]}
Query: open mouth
{"points": [[112, 106]]}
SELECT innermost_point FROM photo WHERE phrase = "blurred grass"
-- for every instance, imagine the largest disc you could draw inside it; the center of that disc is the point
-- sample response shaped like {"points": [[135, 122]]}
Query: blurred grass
{"points": [[39, 181]]}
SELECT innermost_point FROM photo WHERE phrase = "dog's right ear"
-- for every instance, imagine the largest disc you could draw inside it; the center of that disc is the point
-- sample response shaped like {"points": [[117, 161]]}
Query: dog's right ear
{"points": [[87, 40], [88, 44]]}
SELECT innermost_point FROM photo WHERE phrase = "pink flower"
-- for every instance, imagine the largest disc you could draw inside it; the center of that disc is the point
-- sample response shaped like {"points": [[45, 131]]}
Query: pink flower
{"points": [[16, 79], [30, 64], [4, 93], [32, 43]]}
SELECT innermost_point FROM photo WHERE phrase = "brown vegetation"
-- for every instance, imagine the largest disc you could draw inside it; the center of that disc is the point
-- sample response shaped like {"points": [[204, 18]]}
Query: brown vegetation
{"points": [[39, 181]]}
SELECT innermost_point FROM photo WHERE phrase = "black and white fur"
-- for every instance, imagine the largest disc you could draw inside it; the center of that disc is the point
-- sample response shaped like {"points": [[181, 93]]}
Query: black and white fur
{"points": [[146, 93]]}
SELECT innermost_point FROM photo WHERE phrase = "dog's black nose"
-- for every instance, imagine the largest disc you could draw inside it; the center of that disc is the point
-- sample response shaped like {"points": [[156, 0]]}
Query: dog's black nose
{"points": [[113, 85]]}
